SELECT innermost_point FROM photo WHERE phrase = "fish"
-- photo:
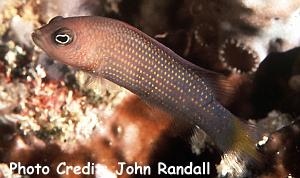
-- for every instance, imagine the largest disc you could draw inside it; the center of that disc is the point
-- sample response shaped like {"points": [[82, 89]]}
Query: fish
{"points": [[126, 56]]}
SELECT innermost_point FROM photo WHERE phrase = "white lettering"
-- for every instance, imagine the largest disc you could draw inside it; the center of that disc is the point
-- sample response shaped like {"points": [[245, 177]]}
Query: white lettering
{"points": [[184, 170], [133, 169], [58, 168], [121, 170], [162, 168], [29, 170], [13, 166], [88, 169], [130, 170], [68, 169], [77, 170]]}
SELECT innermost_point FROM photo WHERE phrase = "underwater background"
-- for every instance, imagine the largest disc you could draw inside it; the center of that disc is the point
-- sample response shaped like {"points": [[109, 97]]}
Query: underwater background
{"points": [[51, 113]]}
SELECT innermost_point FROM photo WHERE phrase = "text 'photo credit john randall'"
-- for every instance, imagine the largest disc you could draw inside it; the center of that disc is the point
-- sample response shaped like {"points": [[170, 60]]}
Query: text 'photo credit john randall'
{"points": [[123, 168]]}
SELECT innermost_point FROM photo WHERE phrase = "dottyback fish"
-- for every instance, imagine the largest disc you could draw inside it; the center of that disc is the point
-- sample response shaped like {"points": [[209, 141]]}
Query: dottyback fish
{"points": [[128, 57]]}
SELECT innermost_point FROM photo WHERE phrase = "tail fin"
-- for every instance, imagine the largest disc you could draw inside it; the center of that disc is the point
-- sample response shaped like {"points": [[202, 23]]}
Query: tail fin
{"points": [[243, 151]]}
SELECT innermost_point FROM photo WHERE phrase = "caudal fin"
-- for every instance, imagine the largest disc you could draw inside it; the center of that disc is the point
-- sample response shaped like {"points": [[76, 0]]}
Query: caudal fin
{"points": [[243, 151]]}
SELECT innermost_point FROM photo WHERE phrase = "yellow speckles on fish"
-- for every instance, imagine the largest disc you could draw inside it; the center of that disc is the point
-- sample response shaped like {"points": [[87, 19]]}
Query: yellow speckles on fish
{"points": [[154, 70]]}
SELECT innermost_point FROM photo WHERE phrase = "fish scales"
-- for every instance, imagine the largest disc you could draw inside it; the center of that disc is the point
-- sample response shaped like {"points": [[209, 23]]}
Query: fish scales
{"points": [[140, 64]]}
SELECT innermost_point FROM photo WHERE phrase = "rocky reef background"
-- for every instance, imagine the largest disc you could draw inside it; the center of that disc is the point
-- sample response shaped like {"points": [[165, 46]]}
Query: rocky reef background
{"points": [[50, 113]]}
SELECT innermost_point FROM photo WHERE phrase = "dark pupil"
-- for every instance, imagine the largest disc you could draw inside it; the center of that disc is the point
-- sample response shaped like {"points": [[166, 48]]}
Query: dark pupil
{"points": [[62, 38]]}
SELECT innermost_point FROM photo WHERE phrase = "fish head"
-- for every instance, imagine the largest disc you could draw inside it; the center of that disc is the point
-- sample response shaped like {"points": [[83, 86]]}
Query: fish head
{"points": [[68, 40]]}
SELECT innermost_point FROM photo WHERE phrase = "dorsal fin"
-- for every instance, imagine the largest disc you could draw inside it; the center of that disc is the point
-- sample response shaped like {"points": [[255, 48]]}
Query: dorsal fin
{"points": [[222, 86]]}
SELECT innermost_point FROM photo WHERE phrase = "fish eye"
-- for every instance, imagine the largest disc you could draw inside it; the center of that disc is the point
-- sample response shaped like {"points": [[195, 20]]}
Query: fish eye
{"points": [[63, 36]]}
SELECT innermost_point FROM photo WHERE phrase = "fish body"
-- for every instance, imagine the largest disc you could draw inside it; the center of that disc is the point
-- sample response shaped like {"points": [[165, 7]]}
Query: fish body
{"points": [[128, 57]]}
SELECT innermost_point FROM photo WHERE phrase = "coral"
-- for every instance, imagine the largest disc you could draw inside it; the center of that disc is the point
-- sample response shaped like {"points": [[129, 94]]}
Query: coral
{"points": [[273, 27], [232, 52], [256, 26]]}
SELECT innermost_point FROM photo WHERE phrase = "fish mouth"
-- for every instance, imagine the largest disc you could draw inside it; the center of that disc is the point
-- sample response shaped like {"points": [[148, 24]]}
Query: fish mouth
{"points": [[36, 37]]}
